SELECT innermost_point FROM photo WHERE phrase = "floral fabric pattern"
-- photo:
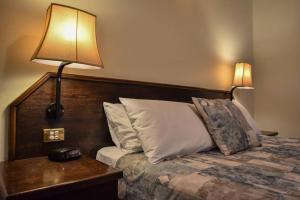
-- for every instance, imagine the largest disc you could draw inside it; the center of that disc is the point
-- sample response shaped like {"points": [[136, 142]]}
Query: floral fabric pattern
{"points": [[271, 171]]}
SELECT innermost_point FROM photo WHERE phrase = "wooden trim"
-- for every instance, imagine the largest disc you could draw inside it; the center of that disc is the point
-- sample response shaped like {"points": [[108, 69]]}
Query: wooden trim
{"points": [[13, 114], [12, 134]]}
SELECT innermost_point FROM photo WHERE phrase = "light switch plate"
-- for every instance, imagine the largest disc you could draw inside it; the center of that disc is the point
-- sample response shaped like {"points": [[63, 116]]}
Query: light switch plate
{"points": [[53, 135]]}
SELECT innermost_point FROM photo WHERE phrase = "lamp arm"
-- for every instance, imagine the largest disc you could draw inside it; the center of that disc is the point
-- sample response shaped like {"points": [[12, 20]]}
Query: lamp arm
{"points": [[231, 92], [55, 109], [58, 89]]}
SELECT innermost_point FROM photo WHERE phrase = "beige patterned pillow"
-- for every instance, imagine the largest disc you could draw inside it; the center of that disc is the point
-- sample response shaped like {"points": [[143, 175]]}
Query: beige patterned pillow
{"points": [[227, 125]]}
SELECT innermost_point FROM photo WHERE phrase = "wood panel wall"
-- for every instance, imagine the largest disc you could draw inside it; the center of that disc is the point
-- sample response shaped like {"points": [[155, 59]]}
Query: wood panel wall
{"points": [[84, 119]]}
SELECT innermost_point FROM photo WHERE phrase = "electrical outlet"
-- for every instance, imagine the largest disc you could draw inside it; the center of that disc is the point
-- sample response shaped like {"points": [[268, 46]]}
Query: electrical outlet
{"points": [[53, 135]]}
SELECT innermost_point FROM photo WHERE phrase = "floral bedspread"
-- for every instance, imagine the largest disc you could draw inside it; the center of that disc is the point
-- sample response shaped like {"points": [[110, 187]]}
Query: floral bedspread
{"points": [[268, 172]]}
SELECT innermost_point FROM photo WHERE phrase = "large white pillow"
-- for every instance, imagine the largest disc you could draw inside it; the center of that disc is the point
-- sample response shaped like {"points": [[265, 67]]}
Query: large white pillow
{"points": [[167, 129], [247, 116], [120, 128]]}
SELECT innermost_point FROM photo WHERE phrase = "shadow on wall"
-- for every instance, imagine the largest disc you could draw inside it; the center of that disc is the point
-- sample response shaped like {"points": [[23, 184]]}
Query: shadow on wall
{"points": [[246, 97], [18, 73], [18, 57]]}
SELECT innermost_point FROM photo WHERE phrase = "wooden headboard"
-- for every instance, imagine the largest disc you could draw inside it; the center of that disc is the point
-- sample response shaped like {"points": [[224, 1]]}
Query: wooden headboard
{"points": [[84, 119]]}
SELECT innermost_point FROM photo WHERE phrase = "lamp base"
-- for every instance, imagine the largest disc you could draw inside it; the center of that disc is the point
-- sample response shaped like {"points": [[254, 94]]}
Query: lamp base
{"points": [[231, 92], [51, 111]]}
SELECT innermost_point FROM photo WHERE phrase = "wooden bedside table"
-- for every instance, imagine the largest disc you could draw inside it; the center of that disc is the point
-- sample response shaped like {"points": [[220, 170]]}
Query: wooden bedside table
{"points": [[39, 178], [269, 133]]}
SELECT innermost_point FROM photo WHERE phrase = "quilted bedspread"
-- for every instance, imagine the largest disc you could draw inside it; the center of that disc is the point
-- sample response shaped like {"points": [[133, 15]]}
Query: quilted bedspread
{"points": [[268, 172]]}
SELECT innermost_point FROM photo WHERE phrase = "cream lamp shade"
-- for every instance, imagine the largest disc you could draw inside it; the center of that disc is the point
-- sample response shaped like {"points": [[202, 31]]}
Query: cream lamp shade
{"points": [[69, 37], [243, 75]]}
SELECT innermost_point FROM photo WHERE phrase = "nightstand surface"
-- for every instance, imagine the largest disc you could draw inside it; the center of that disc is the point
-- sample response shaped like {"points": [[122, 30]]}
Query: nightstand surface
{"points": [[39, 176]]}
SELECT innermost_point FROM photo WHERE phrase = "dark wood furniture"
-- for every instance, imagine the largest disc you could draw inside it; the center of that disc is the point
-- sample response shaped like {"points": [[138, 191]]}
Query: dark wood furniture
{"points": [[39, 178], [84, 119], [269, 133]]}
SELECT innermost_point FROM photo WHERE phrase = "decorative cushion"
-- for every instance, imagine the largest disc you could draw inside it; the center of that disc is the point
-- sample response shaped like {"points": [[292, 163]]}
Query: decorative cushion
{"points": [[120, 128], [227, 125], [167, 129]]}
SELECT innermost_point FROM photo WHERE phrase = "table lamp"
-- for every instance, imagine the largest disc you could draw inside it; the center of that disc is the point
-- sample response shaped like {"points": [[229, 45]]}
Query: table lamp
{"points": [[242, 77], [69, 40]]}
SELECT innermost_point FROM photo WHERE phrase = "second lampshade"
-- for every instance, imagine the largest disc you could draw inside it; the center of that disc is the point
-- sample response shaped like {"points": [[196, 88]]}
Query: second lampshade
{"points": [[242, 77]]}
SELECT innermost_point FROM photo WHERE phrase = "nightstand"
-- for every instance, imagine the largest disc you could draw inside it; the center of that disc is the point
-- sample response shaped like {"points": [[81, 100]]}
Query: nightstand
{"points": [[269, 133], [38, 178]]}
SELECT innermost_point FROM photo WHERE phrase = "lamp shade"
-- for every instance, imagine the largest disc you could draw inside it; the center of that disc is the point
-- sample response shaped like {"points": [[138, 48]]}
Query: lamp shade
{"points": [[242, 75], [70, 37]]}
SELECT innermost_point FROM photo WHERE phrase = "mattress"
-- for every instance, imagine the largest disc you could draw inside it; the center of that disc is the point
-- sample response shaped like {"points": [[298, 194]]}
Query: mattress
{"points": [[110, 155], [271, 171]]}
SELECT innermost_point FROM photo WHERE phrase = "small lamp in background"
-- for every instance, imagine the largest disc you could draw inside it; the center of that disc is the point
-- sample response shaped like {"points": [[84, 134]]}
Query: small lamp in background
{"points": [[242, 77], [69, 40]]}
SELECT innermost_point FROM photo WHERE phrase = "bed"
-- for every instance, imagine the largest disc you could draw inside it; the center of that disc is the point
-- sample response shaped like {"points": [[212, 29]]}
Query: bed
{"points": [[268, 172]]}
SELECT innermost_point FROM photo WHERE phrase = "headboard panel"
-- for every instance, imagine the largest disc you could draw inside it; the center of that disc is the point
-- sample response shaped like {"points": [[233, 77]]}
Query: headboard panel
{"points": [[84, 119]]}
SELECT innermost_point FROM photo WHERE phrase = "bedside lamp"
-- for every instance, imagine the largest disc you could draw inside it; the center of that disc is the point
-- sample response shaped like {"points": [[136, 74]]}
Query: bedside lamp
{"points": [[69, 40], [242, 77]]}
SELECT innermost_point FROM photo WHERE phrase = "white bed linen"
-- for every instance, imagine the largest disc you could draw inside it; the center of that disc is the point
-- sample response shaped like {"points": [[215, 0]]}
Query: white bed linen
{"points": [[120, 128], [167, 129], [110, 155]]}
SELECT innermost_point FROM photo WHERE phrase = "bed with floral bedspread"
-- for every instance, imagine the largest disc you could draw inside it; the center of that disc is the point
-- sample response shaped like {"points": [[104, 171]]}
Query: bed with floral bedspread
{"points": [[271, 171]]}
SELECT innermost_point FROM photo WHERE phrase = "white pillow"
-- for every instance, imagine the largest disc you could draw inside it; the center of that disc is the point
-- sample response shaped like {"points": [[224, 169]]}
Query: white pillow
{"points": [[120, 128], [167, 129], [247, 116]]}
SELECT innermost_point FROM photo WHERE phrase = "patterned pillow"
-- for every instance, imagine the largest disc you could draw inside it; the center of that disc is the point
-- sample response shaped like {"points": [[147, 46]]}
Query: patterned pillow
{"points": [[227, 125]]}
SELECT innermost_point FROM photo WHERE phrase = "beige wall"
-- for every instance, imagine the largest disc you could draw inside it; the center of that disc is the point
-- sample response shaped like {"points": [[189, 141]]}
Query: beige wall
{"points": [[277, 56], [187, 42]]}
